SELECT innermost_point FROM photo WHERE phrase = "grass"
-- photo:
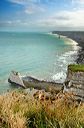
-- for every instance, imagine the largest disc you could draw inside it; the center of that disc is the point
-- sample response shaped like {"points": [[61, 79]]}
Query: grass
{"points": [[76, 67], [19, 110]]}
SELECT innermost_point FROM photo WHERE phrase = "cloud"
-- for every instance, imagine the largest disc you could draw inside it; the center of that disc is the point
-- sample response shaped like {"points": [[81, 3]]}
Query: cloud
{"points": [[11, 23], [78, 1], [72, 18], [30, 6], [17, 23], [78, 4], [34, 9], [64, 19], [23, 2]]}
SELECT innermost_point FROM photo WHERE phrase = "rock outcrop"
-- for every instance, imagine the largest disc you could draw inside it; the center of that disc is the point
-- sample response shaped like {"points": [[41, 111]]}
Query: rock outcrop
{"points": [[75, 81]]}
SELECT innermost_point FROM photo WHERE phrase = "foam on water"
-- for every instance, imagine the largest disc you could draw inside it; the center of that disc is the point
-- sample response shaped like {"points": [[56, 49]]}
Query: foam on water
{"points": [[63, 62], [59, 77]]}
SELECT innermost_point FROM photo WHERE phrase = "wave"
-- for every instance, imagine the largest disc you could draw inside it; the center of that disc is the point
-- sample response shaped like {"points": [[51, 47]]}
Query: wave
{"points": [[59, 77], [67, 40], [63, 61]]}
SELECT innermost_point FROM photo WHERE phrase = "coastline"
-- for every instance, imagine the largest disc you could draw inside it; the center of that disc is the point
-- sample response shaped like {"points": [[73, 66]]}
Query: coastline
{"points": [[78, 58], [69, 57], [69, 41], [78, 40]]}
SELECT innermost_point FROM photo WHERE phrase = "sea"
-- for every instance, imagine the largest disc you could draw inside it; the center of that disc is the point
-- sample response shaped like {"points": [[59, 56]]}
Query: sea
{"points": [[43, 56]]}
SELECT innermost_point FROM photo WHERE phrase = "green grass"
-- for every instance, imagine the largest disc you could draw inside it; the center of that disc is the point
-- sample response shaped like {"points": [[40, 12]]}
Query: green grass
{"points": [[19, 110], [76, 67]]}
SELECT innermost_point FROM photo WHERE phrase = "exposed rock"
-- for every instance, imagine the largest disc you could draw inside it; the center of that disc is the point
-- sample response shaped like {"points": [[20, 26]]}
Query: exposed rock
{"points": [[42, 95], [75, 82]]}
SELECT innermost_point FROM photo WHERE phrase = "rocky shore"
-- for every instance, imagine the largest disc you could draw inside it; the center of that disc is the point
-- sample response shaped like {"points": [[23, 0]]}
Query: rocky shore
{"points": [[54, 107], [74, 82], [75, 73], [78, 36]]}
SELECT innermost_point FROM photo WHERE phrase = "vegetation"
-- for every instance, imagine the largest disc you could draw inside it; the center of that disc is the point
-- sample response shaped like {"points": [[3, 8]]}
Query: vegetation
{"points": [[19, 110], [76, 67]]}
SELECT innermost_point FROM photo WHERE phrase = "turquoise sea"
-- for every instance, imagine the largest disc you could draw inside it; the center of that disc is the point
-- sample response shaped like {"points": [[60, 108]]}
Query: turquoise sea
{"points": [[41, 55]]}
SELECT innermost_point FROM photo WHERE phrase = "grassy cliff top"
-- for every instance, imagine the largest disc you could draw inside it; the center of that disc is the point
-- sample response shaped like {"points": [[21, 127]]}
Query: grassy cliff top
{"points": [[20, 110], [76, 67]]}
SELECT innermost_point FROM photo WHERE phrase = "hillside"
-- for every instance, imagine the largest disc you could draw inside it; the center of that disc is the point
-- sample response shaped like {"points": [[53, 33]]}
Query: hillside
{"points": [[20, 110]]}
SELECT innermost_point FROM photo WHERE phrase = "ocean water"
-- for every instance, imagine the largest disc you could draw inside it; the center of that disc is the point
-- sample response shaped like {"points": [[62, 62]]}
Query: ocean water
{"points": [[41, 55]]}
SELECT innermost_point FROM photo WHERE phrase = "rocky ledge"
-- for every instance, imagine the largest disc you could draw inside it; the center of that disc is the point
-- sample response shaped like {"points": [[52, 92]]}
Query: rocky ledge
{"points": [[74, 85], [75, 81]]}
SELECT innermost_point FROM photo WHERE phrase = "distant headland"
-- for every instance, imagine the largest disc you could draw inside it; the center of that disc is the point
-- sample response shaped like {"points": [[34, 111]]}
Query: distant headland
{"points": [[78, 36]]}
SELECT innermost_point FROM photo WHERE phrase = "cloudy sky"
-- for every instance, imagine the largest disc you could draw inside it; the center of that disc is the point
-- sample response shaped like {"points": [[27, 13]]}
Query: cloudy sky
{"points": [[41, 15]]}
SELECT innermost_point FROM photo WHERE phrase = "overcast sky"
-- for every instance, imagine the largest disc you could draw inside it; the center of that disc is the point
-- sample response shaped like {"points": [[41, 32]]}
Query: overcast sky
{"points": [[41, 15]]}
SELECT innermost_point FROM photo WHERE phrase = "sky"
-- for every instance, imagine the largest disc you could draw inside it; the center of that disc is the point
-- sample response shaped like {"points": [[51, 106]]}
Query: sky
{"points": [[41, 15]]}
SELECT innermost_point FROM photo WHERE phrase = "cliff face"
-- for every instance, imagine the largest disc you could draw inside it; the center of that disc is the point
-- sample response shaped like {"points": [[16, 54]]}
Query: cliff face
{"points": [[75, 35], [78, 36], [76, 77], [75, 81]]}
